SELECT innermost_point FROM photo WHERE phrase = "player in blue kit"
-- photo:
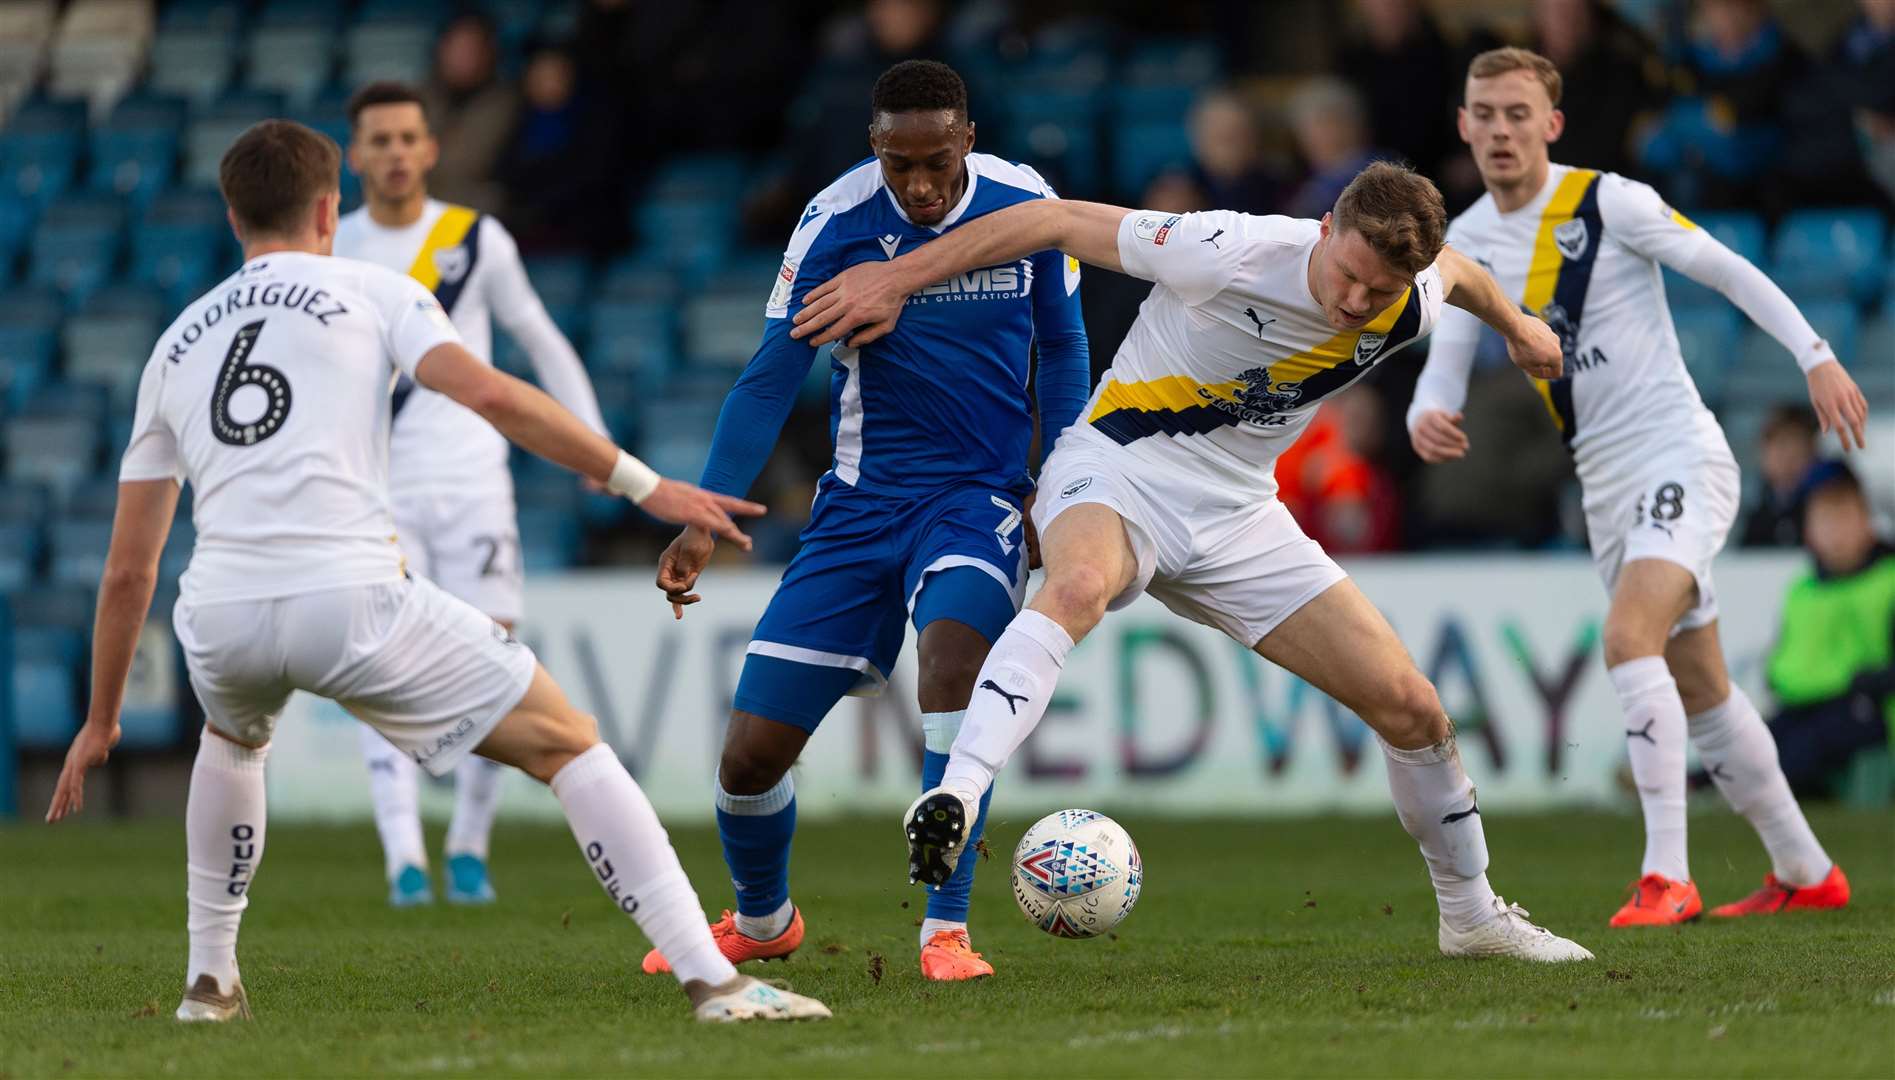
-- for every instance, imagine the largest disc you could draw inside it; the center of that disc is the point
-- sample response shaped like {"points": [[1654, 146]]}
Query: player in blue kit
{"points": [[922, 515]]}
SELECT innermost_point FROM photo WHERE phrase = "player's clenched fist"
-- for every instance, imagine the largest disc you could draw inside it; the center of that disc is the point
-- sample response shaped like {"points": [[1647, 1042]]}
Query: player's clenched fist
{"points": [[1534, 348], [680, 565], [686, 504], [1437, 437]]}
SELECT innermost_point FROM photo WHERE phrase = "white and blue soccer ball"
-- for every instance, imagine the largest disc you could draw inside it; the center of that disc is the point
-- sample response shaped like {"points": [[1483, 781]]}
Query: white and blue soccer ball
{"points": [[1076, 874]]}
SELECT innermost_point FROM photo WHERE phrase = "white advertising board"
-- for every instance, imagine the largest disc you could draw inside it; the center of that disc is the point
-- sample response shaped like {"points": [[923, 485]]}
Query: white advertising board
{"points": [[1153, 713]]}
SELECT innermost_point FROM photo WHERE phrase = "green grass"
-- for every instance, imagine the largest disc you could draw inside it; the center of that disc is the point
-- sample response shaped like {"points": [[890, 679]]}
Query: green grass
{"points": [[1286, 948]]}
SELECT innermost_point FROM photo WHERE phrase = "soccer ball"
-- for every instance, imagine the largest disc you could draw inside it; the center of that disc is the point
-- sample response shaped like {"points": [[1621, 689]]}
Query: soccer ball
{"points": [[1076, 874]]}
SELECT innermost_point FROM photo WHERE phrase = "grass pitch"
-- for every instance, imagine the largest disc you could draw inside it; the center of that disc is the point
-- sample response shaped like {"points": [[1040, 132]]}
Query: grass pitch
{"points": [[1291, 948]]}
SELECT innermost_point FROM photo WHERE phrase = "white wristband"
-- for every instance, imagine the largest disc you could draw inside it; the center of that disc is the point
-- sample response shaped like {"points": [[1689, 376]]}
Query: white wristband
{"points": [[632, 478], [1815, 356]]}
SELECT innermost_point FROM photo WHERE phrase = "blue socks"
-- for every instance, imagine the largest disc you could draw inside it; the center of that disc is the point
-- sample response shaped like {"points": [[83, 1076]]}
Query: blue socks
{"points": [[950, 903], [756, 832]]}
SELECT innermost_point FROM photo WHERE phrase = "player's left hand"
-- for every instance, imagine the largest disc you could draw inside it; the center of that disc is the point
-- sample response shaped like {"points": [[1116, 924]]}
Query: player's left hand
{"points": [[1839, 404], [862, 303], [1032, 534], [1534, 348], [89, 750]]}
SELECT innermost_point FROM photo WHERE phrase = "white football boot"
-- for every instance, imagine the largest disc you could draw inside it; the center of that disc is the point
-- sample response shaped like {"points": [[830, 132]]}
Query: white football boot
{"points": [[936, 826], [746, 998], [1509, 933], [203, 1004]]}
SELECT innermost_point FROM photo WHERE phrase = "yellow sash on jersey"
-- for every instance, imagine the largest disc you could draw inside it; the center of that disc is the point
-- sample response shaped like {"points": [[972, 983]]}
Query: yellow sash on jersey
{"points": [[448, 232], [1543, 272]]}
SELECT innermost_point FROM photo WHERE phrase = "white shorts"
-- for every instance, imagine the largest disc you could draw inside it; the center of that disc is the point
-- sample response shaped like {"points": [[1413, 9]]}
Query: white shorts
{"points": [[1240, 567], [1676, 507], [468, 545], [430, 673]]}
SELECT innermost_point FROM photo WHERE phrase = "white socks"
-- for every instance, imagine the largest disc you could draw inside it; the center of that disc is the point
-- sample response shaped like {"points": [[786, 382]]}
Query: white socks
{"points": [[1436, 804], [931, 927], [394, 788], [1654, 740], [632, 858], [476, 800], [1739, 752], [765, 927], [223, 842], [1010, 697]]}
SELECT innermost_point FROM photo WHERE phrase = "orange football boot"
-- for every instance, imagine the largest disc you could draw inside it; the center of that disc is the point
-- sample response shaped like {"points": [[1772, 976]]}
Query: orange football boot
{"points": [[950, 957], [1659, 901], [736, 947], [1775, 896]]}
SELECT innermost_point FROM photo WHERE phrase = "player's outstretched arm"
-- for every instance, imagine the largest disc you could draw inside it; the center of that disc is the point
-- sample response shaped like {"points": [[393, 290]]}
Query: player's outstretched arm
{"points": [[864, 302], [528, 417], [139, 527], [1531, 344], [1434, 416]]}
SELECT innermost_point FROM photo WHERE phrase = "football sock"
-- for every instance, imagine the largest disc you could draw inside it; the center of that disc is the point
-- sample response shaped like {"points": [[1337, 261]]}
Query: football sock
{"points": [[1654, 741], [223, 839], [629, 853], [949, 903], [1739, 752], [476, 799], [1435, 801], [1010, 696], [931, 926], [394, 788], [756, 831]]}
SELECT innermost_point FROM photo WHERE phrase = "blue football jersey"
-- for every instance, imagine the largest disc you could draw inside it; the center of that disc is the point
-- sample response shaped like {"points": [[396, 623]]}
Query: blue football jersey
{"points": [[942, 399]]}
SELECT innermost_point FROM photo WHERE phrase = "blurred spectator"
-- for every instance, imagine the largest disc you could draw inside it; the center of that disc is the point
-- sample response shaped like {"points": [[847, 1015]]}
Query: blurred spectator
{"points": [[1408, 77], [472, 112], [557, 178], [1331, 482], [1332, 135], [1110, 300], [1614, 80], [1831, 114], [1786, 448], [1508, 488], [1722, 135], [1228, 162], [1833, 668]]}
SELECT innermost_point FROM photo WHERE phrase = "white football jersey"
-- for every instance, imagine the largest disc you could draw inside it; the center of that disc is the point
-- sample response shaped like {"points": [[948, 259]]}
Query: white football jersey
{"points": [[1584, 255], [471, 264], [1230, 354], [269, 395]]}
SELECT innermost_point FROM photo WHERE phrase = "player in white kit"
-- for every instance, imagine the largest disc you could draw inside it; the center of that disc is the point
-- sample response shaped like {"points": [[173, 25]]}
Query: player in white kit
{"points": [[447, 468], [269, 395], [1582, 249], [1167, 485]]}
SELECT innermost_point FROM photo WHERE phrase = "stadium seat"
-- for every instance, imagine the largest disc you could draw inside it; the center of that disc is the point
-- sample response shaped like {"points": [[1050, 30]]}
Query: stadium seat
{"points": [[225, 16], [1873, 362], [26, 360], [1831, 253], [1181, 62], [21, 546], [67, 606], [324, 14], [192, 62], [294, 59], [1765, 371], [79, 547], [24, 503], [39, 149], [562, 279], [549, 539], [94, 499], [76, 244], [1742, 232], [1152, 104], [1141, 151], [377, 49], [212, 131], [181, 245], [704, 178], [99, 48], [55, 448], [46, 666], [134, 165], [106, 344], [722, 330], [177, 547]]}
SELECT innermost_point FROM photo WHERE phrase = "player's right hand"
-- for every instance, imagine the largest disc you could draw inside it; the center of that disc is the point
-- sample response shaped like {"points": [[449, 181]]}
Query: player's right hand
{"points": [[1839, 404], [680, 565], [89, 750], [1437, 437], [687, 504], [862, 304]]}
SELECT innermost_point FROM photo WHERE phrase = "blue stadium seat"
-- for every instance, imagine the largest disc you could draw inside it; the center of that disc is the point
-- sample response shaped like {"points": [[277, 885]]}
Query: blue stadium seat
{"points": [[1185, 61], [1765, 371], [37, 166], [55, 448], [76, 244], [324, 14], [560, 279], [1148, 104], [390, 47], [133, 164], [68, 606], [549, 539], [1708, 339], [639, 276], [79, 547], [21, 546], [95, 499], [26, 360], [181, 245], [1831, 253], [1141, 151], [223, 16], [1743, 233], [703, 178], [193, 62], [1873, 364], [46, 666], [177, 548], [722, 329], [24, 503], [295, 60], [106, 344], [215, 127], [16, 222]]}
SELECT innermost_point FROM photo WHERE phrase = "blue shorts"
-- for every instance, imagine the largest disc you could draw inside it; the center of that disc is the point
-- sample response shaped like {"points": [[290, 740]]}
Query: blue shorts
{"points": [[869, 563]]}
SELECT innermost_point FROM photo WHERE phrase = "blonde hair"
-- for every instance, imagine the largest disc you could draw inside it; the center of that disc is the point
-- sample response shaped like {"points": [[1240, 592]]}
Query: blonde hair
{"points": [[1501, 61], [1398, 211]]}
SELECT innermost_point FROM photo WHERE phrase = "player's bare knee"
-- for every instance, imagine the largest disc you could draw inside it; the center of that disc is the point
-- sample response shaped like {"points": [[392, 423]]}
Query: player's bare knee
{"points": [[1408, 713], [746, 770], [1626, 638], [1076, 598], [947, 678]]}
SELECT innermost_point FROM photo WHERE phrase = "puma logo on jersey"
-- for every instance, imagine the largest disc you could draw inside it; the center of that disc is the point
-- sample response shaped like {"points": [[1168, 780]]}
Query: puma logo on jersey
{"points": [[1212, 240], [1261, 322], [1011, 698]]}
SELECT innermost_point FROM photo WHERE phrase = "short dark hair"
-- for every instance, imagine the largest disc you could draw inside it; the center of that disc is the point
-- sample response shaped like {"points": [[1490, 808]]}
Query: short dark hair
{"points": [[919, 86], [274, 171], [384, 92], [1799, 420], [1398, 211]]}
